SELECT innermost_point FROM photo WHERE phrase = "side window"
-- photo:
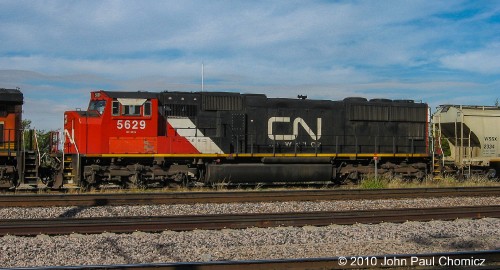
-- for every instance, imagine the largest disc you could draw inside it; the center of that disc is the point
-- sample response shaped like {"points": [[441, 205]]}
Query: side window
{"points": [[147, 108], [116, 108], [131, 107], [131, 110]]}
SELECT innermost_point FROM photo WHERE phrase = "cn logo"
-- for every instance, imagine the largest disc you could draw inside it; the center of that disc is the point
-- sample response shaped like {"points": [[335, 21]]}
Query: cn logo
{"points": [[296, 122]]}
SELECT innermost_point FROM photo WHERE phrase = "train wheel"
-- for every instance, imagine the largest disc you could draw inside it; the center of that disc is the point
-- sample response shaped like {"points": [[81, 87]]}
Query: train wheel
{"points": [[355, 177], [420, 176], [181, 179], [136, 181], [491, 174], [14, 180], [389, 175], [86, 186], [89, 182]]}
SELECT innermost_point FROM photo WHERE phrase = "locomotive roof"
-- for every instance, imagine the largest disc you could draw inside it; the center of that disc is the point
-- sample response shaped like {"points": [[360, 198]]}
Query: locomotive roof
{"points": [[261, 99], [445, 107], [137, 94], [11, 95]]}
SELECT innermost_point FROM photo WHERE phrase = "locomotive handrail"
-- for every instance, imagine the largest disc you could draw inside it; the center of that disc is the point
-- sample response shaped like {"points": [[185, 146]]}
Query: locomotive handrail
{"points": [[37, 147], [71, 140], [355, 144]]}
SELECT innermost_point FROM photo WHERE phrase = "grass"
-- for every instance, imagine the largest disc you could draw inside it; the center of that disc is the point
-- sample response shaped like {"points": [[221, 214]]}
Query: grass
{"points": [[369, 182]]}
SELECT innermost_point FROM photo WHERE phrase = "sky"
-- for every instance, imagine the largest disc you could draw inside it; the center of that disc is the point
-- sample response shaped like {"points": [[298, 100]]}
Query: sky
{"points": [[437, 52]]}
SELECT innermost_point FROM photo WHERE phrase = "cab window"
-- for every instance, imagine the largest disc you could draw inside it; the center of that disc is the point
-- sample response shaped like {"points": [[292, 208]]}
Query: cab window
{"points": [[97, 105], [147, 108]]}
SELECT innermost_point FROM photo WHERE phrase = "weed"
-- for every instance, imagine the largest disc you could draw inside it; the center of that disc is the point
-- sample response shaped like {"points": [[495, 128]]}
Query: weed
{"points": [[370, 182]]}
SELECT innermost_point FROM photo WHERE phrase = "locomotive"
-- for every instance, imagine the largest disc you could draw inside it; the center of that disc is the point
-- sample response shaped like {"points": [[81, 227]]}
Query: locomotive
{"points": [[143, 139]]}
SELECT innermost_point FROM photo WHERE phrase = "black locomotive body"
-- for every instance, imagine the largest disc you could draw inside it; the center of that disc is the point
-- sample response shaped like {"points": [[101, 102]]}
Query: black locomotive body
{"points": [[262, 139]]}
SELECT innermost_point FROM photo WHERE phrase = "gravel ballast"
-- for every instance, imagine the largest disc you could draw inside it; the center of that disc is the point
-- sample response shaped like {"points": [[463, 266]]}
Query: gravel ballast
{"points": [[251, 244], [237, 208]]}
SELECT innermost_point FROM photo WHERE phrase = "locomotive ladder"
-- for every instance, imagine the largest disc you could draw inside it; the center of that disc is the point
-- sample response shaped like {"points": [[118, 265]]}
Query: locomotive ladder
{"points": [[463, 150], [437, 155], [68, 175], [30, 158], [30, 168]]}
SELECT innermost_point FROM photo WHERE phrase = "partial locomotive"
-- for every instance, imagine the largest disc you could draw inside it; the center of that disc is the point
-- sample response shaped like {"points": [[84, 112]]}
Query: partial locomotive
{"points": [[140, 139], [11, 101], [18, 153]]}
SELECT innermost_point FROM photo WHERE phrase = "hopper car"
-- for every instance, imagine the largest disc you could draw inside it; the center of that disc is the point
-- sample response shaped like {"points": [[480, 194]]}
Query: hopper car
{"points": [[472, 133]]}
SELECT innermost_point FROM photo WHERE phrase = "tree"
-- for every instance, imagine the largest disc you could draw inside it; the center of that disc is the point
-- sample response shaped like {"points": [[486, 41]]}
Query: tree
{"points": [[445, 146], [42, 140], [26, 124]]}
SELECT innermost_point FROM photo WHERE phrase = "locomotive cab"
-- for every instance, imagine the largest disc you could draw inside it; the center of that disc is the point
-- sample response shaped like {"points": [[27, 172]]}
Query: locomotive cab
{"points": [[115, 122]]}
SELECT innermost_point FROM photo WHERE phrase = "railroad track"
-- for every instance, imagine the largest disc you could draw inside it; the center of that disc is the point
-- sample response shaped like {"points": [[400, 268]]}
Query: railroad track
{"points": [[49, 200], [488, 259], [238, 221]]}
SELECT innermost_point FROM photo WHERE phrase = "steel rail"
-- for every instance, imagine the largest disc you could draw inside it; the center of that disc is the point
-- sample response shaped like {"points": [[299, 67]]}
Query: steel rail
{"points": [[46, 200], [237, 221], [441, 260]]}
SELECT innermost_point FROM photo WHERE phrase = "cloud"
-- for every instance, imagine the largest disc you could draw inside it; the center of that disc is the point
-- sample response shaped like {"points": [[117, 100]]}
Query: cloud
{"points": [[278, 31], [485, 60], [58, 51]]}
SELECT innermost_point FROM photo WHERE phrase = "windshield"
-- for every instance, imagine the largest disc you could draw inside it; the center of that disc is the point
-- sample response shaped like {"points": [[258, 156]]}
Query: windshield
{"points": [[97, 105]]}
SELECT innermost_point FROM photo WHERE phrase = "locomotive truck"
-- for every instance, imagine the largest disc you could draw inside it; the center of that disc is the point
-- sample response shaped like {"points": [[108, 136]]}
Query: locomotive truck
{"points": [[141, 139]]}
